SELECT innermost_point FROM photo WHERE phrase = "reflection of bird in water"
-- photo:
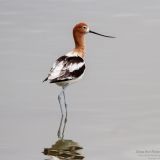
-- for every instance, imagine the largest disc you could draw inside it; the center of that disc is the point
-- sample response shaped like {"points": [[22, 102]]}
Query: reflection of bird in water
{"points": [[70, 67], [64, 150]]}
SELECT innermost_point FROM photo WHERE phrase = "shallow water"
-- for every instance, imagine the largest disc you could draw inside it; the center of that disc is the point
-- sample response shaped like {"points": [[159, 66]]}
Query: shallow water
{"points": [[114, 111]]}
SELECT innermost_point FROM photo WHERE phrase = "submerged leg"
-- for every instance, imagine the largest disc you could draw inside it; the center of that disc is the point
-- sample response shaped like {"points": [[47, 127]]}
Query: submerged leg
{"points": [[60, 125], [65, 104]]}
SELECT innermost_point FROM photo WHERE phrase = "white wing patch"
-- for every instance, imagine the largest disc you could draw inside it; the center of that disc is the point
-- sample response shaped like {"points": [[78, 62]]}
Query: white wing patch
{"points": [[75, 66], [57, 70]]}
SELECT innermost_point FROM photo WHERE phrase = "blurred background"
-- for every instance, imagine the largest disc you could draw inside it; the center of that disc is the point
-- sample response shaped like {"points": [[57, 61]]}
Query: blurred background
{"points": [[114, 111]]}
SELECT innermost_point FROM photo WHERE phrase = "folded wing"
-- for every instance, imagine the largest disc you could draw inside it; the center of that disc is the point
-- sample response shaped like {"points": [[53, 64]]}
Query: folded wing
{"points": [[66, 68]]}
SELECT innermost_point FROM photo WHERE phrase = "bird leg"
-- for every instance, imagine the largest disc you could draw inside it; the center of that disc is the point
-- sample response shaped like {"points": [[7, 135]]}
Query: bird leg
{"points": [[60, 125], [65, 104]]}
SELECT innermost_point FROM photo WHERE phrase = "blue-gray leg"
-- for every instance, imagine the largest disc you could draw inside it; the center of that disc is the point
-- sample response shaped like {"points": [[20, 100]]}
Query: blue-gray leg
{"points": [[65, 104], [60, 125]]}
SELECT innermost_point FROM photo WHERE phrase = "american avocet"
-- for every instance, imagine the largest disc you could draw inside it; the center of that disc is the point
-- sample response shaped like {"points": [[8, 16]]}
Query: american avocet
{"points": [[70, 67]]}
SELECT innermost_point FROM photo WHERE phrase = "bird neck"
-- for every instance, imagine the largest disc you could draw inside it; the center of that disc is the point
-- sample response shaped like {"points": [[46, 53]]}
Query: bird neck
{"points": [[79, 43]]}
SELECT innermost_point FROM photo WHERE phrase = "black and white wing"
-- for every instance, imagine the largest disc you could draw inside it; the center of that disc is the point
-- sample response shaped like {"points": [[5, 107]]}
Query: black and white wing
{"points": [[66, 68]]}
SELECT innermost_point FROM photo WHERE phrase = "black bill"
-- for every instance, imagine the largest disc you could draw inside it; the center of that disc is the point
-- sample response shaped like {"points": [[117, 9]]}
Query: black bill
{"points": [[100, 34]]}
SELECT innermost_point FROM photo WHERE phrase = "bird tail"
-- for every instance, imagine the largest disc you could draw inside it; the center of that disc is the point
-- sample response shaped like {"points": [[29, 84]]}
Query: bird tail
{"points": [[45, 79]]}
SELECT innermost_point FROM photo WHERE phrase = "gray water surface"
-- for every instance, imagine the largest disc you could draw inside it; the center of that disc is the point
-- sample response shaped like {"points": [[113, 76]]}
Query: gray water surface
{"points": [[114, 111]]}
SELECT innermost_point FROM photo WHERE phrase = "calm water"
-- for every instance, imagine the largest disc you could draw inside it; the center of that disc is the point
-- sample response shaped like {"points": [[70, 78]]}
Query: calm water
{"points": [[114, 111]]}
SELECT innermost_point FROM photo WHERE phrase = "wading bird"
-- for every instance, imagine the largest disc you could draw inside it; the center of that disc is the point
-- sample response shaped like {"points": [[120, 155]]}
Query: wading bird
{"points": [[70, 67]]}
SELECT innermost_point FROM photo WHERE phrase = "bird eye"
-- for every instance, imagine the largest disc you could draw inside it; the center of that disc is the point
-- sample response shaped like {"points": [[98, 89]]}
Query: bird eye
{"points": [[84, 27]]}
